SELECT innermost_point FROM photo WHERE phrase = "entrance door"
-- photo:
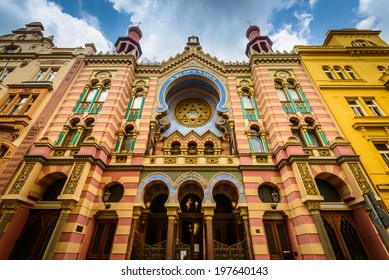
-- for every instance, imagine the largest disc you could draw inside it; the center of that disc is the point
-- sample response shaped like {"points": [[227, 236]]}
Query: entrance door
{"points": [[32, 243], [344, 238], [192, 235], [278, 240], [101, 243]]}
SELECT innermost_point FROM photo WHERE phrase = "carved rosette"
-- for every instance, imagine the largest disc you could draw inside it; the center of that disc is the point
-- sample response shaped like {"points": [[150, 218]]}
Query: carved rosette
{"points": [[359, 177], [74, 178], [23, 175], [309, 183]]}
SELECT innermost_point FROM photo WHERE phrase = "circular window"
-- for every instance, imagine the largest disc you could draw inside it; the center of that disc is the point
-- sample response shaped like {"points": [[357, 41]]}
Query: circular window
{"points": [[193, 112]]}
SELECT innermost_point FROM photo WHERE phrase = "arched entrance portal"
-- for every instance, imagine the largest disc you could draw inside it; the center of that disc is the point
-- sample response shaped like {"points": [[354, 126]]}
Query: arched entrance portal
{"points": [[191, 224]]}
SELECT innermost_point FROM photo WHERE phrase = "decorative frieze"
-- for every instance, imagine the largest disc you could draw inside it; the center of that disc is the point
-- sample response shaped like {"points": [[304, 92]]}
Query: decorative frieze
{"points": [[359, 177], [190, 160], [74, 178], [170, 160], [23, 175], [306, 177]]}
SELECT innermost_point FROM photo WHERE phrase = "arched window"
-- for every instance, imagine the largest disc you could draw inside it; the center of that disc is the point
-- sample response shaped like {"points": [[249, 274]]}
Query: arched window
{"points": [[128, 140], [351, 73], [339, 72], [192, 148], [328, 72], [74, 134], [255, 140], [328, 191], [54, 190], [208, 148], [309, 135], [291, 96], [176, 148], [93, 98]]}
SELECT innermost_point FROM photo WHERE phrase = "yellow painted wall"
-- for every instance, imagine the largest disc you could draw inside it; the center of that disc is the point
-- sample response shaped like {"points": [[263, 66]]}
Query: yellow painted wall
{"points": [[338, 50]]}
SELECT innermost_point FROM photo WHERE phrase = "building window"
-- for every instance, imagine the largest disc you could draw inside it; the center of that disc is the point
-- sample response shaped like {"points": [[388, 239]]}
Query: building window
{"points": [[257, 140], [18, 104], [46, 74], [209, 148], [340, 73], [328, 72], [309, 135], [3, 150], [93, 98], [74, 134], [4, 73], [351, 73], [372, 105], [383, 150], [247, 100], [356, 107], [292, 97], [192, 148], [176, 148], [135, 108], [11, 49], [128, 140]]}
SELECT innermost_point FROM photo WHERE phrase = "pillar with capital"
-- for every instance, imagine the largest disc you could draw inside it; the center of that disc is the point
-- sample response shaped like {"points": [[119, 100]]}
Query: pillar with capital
{"points": [[66, 206], [208, 218], [172, 216], [245, 217], [314, 208], [134, 227]]}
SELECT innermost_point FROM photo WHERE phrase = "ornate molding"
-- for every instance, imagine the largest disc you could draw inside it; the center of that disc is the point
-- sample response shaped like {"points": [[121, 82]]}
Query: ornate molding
{"points": [[23, 175], [67, 205], [359, 177], [74, 178], [9, 206], [306, 177], [313, 207]]}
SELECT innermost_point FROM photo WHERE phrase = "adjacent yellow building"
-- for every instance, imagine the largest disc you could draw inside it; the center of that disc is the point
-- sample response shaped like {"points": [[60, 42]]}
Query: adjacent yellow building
{"points": [[351, 71]]}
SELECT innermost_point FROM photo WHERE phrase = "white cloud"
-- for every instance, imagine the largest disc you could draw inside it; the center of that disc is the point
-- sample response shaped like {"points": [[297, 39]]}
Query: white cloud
{"points": [[374, 15], [367, 23], [286, 38], [68, 31]]}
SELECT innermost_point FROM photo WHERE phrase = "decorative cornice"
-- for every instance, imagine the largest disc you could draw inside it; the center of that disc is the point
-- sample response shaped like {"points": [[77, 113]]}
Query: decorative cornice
{"points": [[110, 58], [205, 59], [33, 84]]}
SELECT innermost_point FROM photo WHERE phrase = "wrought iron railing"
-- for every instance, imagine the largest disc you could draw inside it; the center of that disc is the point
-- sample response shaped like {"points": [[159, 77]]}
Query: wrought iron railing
{"points": [[181, 251], [236, 251], [143, 251]]}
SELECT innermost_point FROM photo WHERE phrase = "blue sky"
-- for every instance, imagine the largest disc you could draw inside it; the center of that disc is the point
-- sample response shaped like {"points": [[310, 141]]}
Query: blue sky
{"points": [[220, 24]]}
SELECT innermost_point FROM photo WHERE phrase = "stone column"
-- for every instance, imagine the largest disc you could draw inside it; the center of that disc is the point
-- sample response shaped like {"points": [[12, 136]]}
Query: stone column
{"points": [[134, 226], [314, 208], [66, 206], [245, 216], [208, 217], [172, 216]]}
